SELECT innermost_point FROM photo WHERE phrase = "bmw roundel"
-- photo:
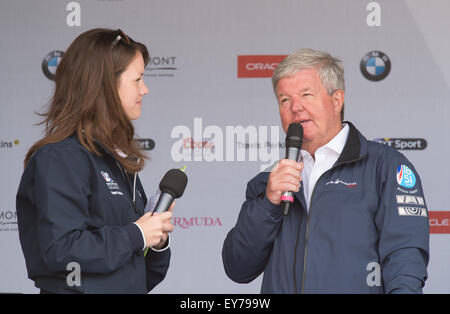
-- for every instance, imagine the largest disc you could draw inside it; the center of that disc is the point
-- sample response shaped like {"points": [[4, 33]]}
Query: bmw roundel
{"points": [[375, 65], [50, 63], [405, 176]]}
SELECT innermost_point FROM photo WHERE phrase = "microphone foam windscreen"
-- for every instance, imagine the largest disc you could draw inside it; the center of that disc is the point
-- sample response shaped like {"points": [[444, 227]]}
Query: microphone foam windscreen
{"points": [[174, 183], [294, 136]]}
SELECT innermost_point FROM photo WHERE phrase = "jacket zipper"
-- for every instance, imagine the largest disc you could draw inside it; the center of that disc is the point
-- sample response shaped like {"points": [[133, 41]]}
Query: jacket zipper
{"points": [[308, 219], [132, 202]]}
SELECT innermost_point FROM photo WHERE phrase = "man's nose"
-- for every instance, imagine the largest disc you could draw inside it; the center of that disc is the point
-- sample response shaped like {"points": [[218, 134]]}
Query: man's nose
{"points": [[297, 104]]}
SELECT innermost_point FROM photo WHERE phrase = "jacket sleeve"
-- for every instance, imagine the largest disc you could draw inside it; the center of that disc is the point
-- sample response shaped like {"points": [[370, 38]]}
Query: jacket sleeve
{"points": [[157, 264], [402, 219], [249, 244], [65, 228]]}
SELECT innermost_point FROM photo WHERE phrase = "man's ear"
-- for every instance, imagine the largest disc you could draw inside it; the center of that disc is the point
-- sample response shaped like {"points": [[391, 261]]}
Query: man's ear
{"points": [[338, 101]]}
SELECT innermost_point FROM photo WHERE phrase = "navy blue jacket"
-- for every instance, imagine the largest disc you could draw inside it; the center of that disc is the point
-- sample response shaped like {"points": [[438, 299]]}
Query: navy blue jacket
{"points": [[74, 206], [366, 231]]}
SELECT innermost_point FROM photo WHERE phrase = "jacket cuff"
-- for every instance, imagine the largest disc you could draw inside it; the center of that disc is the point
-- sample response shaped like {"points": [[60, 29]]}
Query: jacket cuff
{"points": [[135, 235], [165, 247], [269, 207]]}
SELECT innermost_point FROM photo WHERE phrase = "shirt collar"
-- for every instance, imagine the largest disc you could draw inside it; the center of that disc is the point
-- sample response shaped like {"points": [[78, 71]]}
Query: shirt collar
{"points": [[337, 143]]}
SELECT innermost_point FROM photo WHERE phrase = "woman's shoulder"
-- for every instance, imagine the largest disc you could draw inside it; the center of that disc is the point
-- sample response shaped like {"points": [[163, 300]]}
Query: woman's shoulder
{"points": [[70, 149], [60, 162]]}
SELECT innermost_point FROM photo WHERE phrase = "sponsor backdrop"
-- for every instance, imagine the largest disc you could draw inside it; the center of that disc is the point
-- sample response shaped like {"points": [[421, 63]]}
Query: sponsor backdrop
{"points": [[211, 106]]}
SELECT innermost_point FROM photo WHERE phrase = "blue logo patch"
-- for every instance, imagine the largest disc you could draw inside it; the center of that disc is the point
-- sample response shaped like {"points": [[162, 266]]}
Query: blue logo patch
{"points": [[405, 177]]}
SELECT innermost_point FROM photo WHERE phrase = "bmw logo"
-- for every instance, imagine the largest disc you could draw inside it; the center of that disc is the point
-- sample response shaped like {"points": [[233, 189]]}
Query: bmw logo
{"points": [[375, 66], [50, 63]]}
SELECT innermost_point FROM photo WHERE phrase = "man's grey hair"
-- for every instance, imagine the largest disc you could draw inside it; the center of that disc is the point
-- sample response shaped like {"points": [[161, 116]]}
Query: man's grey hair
{"points": [[330, 69]]}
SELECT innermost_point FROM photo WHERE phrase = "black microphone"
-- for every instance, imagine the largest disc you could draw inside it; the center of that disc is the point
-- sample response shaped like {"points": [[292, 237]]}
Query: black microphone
{"points": [[294, 138], [172, 186]]}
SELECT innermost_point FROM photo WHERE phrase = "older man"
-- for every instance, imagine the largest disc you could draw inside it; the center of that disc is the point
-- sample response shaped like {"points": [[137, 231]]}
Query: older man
{"points": [[358, 223]]}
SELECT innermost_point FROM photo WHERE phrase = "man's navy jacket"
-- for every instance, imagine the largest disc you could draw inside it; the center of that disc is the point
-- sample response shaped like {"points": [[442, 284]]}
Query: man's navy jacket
{"points": [[76, 207], [366, 231]]}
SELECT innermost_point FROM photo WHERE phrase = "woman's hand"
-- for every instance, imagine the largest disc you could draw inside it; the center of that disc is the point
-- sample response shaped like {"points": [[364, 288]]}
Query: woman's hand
{"points": [[156, 228]]}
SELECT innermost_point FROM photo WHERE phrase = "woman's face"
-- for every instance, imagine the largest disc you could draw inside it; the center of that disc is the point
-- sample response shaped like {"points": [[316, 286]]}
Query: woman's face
{"points": [[131, 87]]}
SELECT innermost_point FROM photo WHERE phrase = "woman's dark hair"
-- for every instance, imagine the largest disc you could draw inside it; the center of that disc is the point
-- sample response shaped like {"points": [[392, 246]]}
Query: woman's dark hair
{"points": [[86, 101]]}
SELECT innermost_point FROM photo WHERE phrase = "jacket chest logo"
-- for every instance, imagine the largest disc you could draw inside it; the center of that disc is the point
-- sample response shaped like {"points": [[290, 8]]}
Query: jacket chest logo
{"points": [[110, 183], [340, 182]]}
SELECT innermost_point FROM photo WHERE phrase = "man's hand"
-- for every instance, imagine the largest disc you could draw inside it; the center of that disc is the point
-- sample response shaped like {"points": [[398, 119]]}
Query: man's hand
{"points": [[285, 176]]}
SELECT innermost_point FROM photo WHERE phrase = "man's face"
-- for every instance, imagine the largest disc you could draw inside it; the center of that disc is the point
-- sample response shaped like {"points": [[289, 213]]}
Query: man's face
{"points": [[302, 98]]}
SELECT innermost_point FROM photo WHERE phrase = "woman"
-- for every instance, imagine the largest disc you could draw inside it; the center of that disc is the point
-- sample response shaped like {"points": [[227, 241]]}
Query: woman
{"points": [[80, 203]]}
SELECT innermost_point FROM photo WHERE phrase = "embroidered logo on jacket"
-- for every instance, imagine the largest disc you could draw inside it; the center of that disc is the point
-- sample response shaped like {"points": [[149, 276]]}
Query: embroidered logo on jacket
{"points": [[110, 183], [106, 176], [405, 177], [412, 211], [410, 199], [339, 181]]}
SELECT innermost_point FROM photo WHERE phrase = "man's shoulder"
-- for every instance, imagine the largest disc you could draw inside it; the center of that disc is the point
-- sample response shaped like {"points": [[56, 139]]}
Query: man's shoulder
{"points": [[373, 148], [384, 151], [379, 153]]}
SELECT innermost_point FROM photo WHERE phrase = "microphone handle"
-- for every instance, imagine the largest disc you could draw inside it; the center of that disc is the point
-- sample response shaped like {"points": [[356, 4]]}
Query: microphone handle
{"points": [[285, 207], [292, 153], [287, 197], [163, 204]]}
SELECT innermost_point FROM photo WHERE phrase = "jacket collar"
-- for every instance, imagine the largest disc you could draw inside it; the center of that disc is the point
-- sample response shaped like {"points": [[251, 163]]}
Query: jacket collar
{"points": [[100, 146], [103, 148], [355, 148]]}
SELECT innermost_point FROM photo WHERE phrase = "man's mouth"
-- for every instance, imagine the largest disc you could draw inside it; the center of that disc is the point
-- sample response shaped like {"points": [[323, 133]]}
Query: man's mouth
{"points": [[303, 122]]}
